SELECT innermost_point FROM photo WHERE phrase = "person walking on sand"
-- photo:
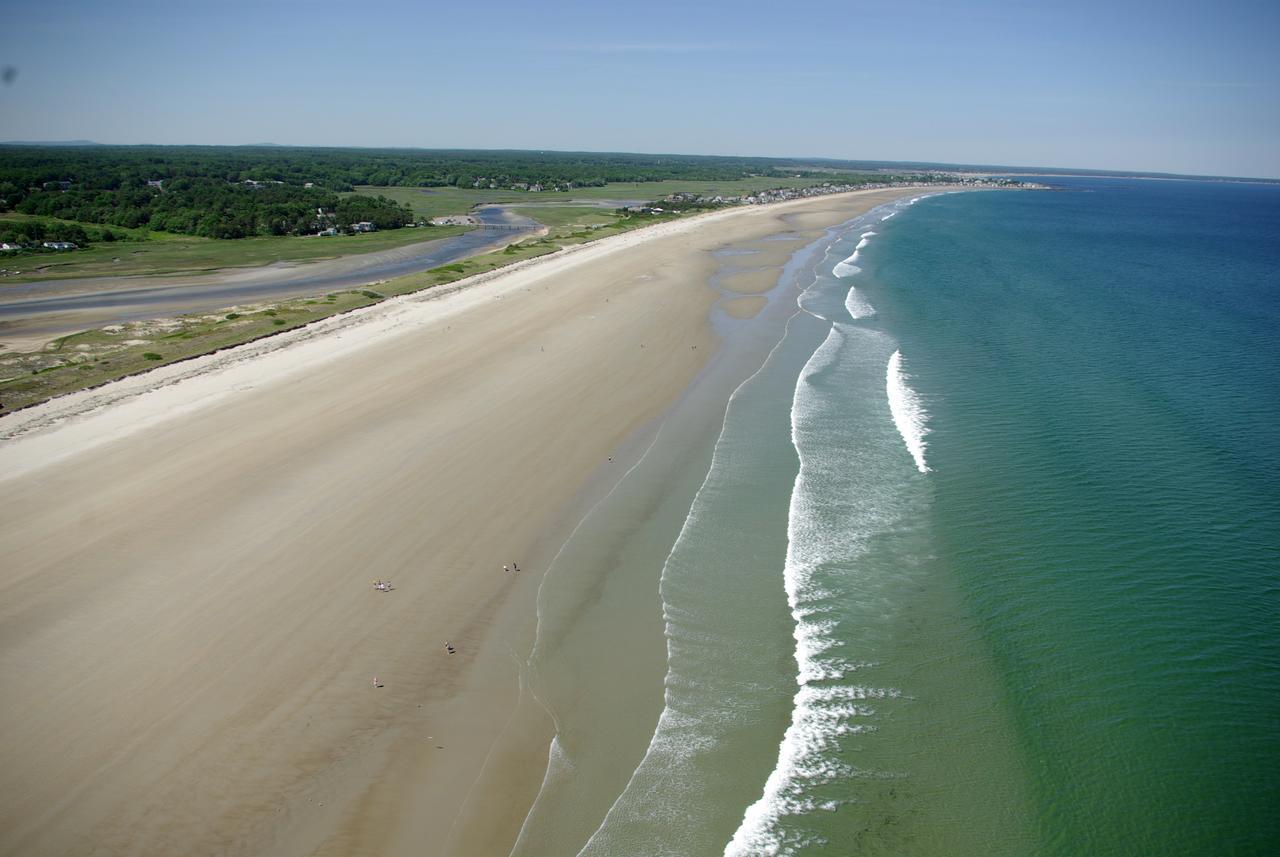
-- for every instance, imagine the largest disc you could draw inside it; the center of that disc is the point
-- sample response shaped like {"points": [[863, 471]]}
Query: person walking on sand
{"points": [[376, 683]]}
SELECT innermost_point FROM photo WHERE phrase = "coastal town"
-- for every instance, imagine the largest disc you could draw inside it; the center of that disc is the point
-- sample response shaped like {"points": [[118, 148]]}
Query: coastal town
{"points": [[764, 197], [34, 236]]}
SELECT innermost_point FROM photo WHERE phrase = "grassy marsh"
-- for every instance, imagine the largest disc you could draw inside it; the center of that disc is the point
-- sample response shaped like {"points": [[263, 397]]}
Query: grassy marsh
{"points": [[145, 253]]}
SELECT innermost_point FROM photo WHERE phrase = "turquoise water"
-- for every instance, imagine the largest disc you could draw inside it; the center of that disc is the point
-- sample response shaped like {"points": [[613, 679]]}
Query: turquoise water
{"points": [[1102, 371], [986, 559]]}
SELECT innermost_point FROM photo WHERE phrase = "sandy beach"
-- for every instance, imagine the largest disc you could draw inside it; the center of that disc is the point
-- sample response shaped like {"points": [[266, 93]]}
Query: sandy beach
{"points": [[192, 655]]}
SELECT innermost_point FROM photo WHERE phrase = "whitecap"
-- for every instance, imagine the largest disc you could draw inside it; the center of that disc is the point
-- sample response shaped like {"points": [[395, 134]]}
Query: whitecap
{"points": [[908, 412], [857, 305]]}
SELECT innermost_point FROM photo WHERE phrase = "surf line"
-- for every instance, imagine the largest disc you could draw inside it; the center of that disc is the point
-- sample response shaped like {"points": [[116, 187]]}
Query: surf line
{"points": [[909, 415]]}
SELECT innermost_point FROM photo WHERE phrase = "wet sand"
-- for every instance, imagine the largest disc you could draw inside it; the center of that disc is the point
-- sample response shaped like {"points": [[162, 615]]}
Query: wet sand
{"points": [[188, 628]]}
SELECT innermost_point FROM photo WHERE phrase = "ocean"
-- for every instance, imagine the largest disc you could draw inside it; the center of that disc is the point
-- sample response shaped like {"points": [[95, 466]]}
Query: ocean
{"points": [[983, 557]]}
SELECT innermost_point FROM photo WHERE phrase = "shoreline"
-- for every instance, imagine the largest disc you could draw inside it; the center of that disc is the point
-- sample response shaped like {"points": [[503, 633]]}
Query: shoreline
{"points": [[461, 447]]}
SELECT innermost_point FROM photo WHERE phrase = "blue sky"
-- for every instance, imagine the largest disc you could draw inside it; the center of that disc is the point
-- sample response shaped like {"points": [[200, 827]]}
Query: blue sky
{"points": [[1167, 86]]}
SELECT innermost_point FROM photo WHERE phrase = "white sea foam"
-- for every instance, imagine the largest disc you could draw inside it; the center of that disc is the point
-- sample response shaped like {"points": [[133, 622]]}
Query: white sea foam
{"points": [[863, 243], [857, 305], [887, 216], [847, 267], [822, 714], [909, 414], [680, 734]]}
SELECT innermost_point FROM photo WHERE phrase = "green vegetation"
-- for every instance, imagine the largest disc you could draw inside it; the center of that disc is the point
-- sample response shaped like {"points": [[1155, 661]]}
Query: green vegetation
{"points": [[443, 201], [142, 253], [560, 218], [30, 227], [45, 167], [567, 235], [205, 206], [239, 192], [96, 356], [385, 180], [167, 209]]}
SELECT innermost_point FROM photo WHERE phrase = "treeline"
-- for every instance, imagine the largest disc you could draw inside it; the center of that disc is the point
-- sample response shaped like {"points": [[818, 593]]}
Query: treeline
{"points": [[210, 207], [114, 167], [235, 192], [35, 231]]}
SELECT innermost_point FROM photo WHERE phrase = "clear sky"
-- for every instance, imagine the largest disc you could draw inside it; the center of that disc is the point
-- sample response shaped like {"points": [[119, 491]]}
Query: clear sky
{"points": [[1142, 85]]}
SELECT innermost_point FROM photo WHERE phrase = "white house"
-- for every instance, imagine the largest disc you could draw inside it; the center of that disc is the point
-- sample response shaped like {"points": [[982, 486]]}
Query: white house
{"points": [[59, 245], [363, 226]]}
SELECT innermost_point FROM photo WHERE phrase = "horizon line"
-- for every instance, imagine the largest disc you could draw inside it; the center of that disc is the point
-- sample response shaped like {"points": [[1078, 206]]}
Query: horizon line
{"points": [[1081, 172]]}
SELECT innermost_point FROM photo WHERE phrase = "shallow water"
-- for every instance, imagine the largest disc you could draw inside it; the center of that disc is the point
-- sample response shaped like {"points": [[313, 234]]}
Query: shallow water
{"points": [[983, 559]]}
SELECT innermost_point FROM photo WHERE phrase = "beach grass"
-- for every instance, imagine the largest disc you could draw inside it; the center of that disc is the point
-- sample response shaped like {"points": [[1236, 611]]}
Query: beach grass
{"points": [[93, 357], [568, 218], [145, 253]]}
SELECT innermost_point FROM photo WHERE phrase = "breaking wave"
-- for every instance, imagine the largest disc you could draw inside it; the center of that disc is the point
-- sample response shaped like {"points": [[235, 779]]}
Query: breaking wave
{"points": [[825, 537], [909, 414], [857, 305], [847, 268]]}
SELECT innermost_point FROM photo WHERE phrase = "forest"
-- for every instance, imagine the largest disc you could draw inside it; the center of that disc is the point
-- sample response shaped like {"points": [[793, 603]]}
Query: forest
{"points": [[237, 192]]}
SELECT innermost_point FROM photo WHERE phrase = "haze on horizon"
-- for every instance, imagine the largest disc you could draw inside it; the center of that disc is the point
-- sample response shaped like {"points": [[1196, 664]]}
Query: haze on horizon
{"points": [[1147, 86]]}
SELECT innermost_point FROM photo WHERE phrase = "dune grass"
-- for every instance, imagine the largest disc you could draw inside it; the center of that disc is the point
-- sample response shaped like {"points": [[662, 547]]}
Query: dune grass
{"points": [[146, 253], [94, 357]]}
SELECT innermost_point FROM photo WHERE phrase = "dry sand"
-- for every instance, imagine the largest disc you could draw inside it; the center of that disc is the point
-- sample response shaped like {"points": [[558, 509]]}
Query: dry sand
{"points": [[188, 630]]}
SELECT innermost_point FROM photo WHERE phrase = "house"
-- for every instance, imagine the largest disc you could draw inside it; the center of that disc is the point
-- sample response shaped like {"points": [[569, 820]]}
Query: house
{"points": [[330, 231], [158, 184], [363, 226], [9, 245], [59, 245]]}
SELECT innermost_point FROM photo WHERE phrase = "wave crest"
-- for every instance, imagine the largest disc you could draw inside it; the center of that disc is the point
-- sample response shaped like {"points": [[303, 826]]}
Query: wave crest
{"points": [[909, 414]]}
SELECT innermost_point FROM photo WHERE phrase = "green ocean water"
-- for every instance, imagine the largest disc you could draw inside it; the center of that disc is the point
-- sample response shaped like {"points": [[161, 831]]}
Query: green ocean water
{"points": [[1101, 367], [985, 558]]}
